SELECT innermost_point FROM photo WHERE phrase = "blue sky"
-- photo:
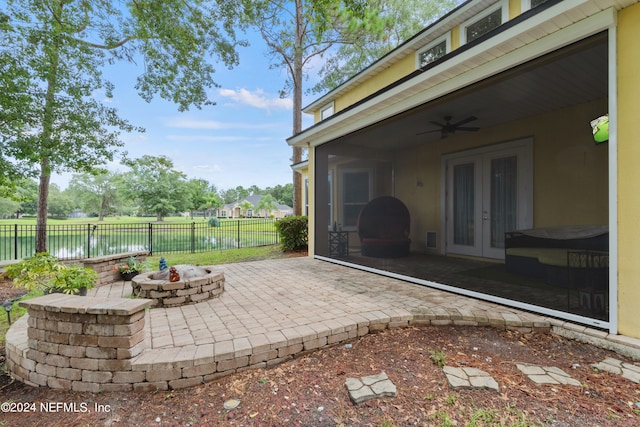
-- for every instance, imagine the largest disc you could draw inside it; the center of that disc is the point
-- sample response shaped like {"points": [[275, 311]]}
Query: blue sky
{"points": [[238, 141]]}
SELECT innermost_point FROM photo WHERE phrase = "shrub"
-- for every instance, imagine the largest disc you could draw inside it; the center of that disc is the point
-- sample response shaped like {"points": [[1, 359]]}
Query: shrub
{"points": [[214, 222], [293, 231], [35, 273]]}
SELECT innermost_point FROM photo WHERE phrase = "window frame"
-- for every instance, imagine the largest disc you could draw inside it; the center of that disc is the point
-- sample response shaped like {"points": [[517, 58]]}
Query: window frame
{"points": [[343, 172], [526, 5], [503, 5], [327, 107], [446, 38]]}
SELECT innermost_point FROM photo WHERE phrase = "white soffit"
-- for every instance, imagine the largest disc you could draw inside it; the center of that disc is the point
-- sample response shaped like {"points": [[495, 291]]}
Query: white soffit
{"points": [[556, 27]]}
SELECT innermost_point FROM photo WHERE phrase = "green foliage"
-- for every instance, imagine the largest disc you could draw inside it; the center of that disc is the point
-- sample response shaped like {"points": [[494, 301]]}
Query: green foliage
{"points": [[158, 187], [214, 222], [293, 232], [72, 278], [131, 266], [44, 272], [52, 59], [267, 203], [395, 22], [438, 357], [35, 273]]}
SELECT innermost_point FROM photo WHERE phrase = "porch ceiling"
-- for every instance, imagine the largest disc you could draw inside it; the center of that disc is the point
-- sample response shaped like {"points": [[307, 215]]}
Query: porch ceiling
{"points": [[573, 75]]}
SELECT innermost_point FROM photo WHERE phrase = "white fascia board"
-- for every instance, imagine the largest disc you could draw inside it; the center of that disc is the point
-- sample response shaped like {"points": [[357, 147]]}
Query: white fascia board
{"points": [[420, 90]]}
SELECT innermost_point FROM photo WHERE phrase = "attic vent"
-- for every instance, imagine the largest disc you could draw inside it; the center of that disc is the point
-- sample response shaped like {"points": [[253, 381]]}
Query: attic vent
{"points": [[432, 240]]}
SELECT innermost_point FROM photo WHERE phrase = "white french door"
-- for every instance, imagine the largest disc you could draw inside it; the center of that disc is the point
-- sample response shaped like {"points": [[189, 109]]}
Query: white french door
{"points": [[489, 191]]}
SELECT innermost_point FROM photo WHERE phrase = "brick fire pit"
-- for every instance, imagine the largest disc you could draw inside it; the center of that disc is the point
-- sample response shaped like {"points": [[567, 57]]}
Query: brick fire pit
{"points": [[164, 293]]}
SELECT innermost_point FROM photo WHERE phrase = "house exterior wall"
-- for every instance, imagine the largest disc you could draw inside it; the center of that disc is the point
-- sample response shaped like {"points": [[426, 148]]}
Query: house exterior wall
{"points": [[570, 171], [628, 34], [394, 73]]}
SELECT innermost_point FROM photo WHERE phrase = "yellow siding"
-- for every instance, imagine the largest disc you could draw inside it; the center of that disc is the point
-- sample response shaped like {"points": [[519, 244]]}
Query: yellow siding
{"points": [[515, 8], [455, 38], [393, 73], [628, 171]]}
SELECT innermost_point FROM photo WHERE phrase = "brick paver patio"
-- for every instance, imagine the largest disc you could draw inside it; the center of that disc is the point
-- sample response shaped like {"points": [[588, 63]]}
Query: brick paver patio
{"points": [[273, 309]]}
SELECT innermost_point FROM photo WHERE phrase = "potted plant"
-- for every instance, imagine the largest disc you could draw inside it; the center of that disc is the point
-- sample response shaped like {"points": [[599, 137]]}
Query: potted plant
{"points": [[130, 269], [35, 273], [73, 280]]}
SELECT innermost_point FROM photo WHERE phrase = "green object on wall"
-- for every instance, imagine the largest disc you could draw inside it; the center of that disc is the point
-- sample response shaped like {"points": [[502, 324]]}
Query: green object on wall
{"points": [[600, 128]]}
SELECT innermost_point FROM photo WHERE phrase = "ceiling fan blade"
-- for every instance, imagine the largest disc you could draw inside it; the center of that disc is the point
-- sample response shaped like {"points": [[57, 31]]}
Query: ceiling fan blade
{"points": [[469, 129], [465, 121], [437, 124], [429, 131]]}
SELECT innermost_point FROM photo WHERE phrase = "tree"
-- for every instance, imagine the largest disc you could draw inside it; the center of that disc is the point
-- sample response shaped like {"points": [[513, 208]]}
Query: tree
{"points": [[60, 204], [268, 204], [234, 194], [296, 32], [157, 186], [245, 206], [95, 193], [402, 19], [282, 193], [199, 195], [8, 208], [54, 120]]}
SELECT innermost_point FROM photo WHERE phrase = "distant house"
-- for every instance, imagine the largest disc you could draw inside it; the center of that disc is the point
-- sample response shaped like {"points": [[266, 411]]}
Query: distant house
{"points": [[237, 209]]}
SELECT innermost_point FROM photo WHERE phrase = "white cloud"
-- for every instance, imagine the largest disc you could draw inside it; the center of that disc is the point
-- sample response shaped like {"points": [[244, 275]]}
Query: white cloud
{"points": [[257, 99], [186, 123]]}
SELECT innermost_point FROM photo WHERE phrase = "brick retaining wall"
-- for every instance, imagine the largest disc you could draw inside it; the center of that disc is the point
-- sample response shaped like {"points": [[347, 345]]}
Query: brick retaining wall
{"points": [[80, 343], [104, 265]]}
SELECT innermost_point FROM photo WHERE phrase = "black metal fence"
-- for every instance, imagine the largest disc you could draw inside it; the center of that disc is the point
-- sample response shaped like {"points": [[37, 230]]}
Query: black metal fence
{"points": [[75, 241]]}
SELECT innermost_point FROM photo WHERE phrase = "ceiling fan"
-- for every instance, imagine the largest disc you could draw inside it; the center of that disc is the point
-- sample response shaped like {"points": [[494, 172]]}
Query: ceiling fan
{"points": [[449, 128]]}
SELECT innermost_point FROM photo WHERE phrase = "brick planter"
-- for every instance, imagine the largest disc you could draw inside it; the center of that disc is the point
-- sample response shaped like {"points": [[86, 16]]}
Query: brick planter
{"points": [[104, 265], [80, 343], [164, 293]]}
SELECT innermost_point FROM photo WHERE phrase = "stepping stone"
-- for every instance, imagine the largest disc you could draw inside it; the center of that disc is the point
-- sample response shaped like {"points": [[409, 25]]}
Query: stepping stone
{"points": [[547, 375], [615, 366], [469, 378], [370, 387]]}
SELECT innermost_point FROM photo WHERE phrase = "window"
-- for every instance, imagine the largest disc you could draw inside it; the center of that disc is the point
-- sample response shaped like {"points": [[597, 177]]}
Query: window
{"points": [[478, 26], [530, 4], [356, 193], [326, 111], [433, 51], [249, 213], [223, 213]]}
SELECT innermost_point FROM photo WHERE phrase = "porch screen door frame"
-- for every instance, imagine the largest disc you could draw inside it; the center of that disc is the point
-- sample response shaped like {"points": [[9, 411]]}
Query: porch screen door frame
{"points": [[475, 237]]}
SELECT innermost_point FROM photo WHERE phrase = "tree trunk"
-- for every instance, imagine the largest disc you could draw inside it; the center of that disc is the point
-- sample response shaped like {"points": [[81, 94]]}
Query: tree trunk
{"points": [[47, 144], [297, 108], [43, 196]]}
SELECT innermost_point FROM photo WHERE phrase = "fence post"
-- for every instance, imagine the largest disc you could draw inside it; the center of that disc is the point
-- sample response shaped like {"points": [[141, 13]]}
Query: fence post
{"points": [[150, 239], [88, 240], [193, 237], [15, 241]]}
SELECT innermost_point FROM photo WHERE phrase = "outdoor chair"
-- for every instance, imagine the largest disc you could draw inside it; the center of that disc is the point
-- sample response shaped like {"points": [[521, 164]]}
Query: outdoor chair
{"points": [[383, 228]]}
